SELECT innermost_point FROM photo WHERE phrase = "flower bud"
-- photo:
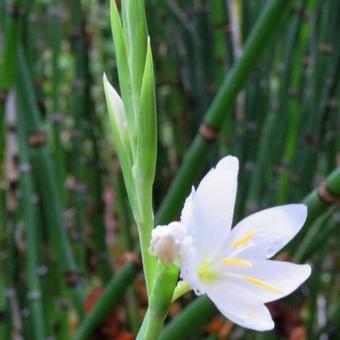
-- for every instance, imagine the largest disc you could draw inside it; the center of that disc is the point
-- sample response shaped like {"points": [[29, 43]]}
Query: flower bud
{"points": [[169, 242]]}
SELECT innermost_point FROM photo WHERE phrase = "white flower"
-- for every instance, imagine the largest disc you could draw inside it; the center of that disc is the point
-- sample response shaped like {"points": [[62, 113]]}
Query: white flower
{"points": [[231, 266]]}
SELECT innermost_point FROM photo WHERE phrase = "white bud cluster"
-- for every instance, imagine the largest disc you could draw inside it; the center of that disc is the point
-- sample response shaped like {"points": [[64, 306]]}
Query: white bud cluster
{"points": [[169, 242]]}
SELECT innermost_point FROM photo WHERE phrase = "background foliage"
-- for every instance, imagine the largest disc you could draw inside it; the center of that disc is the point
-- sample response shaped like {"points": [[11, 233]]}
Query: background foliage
{"points": [[66, 229]]}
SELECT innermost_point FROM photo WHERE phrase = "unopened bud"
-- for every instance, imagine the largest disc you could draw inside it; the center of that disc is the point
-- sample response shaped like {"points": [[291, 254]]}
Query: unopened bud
{"points": [[169, 242]]}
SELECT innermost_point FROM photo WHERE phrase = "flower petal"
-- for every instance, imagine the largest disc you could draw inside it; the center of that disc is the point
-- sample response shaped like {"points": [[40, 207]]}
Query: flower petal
{"points": [[285, 277], [115, 104], [187, 209], [241, 309], [264, 280], [212, 207], [263, 234]]}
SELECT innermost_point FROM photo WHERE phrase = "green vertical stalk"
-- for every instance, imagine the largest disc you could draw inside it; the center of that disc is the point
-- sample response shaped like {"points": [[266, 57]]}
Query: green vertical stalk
{"points": [[94, 129], [8, 68], [133, 119], [30, 217], [165, 280], [12, 31], [54, 35], [4, 308], [221, 104], [293, 83], [309, 155], [198, 313], [50, 193], [8, 221], [103, 260], [2, 15], [261, 162], [316, 205], [80, 106], [315, 237]]}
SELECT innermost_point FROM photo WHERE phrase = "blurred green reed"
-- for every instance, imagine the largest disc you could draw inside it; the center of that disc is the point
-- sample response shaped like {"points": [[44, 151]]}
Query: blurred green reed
{"points": [[257, 79]]}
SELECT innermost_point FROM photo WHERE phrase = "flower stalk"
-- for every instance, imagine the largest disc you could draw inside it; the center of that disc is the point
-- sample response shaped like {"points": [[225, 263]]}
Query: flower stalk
{"points": [[133, 118], [159, 302]]}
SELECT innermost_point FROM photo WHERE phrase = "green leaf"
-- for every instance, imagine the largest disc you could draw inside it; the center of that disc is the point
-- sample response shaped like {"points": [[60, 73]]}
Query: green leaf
{"points": [[147, 125], [123, 67], [135, 30]]}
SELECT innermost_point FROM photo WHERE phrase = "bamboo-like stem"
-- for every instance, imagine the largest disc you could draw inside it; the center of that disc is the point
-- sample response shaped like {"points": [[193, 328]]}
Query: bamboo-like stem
{"points": [[221, 104], [317, 204], [12, 14], [292, 78], [315, 237], [4, 308], [93, 119], [8, 65], [80, 106], [56, 116], [8, 68], [109, 299], [198, 313], [50, 192], [262, 161], [30, 216]]}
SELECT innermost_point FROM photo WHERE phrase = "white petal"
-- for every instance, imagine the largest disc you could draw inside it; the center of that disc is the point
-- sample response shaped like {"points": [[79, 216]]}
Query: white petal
{"points": [[212, 207], [283, 276], [189, 273], [240, 309], [187, 209], [264, 280], [263, 234]]}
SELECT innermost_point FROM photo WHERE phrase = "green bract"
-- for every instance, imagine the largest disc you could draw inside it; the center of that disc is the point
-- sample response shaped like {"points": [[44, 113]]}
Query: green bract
{"points": [[133, 117]]}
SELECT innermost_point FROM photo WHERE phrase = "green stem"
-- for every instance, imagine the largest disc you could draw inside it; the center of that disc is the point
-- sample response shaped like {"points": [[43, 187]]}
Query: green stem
{"points": [[222, 104], [46, 177], [33, 250], [317, 205], [80, 112], [144, 230], [8, 66], [158, 303], [191, 320]]}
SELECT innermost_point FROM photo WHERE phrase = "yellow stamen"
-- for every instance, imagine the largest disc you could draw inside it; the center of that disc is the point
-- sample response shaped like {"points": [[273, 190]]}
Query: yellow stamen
{"points": [[262, 284], [244, 240], [237, 262]]}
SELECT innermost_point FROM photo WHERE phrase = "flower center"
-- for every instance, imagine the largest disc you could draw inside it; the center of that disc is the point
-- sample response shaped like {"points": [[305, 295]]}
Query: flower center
{"points": [[205, 273]]}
